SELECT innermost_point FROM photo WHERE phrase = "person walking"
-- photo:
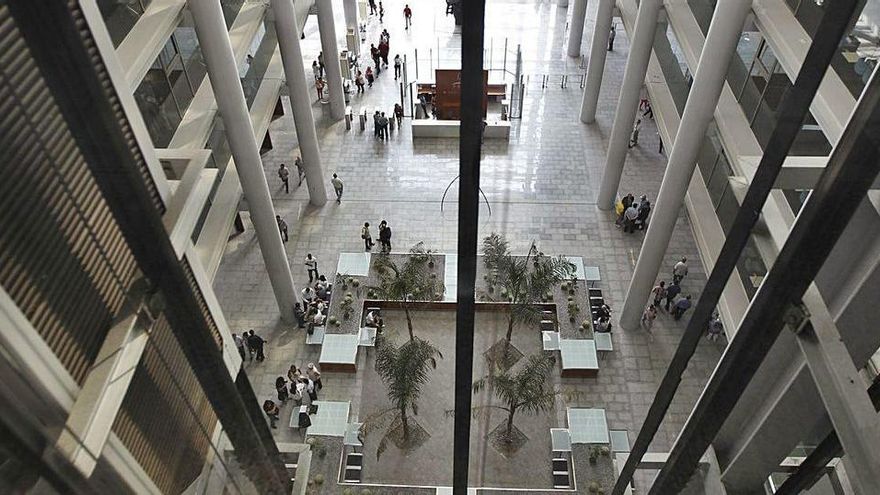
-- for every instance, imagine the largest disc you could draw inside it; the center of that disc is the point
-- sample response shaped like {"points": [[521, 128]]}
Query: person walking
{"points": [[321, 63], [634, 137], [282, 227], [398, 64], [369, 75], [316, 70], [673, 290], [366, 236], [359, 82], [372, 7], [375, 55], [611, 36], [398, 114], [716, 327], [300, 170], [314, 375], [680, 271], [319, 87], [381, 12], [659, 292], [383, 52], [383, 126], [385, 236], [337, 186], [407, 16], [649, 112], [680, 307], [239, 344], [257, 343], [629, 220], [423, 102], [281, 389], [311, 265], [284, 175], [272, 411], [648, 318]]}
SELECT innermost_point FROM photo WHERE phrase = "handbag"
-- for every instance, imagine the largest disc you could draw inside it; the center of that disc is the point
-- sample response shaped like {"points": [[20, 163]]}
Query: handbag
{"points": [[313, 409]]}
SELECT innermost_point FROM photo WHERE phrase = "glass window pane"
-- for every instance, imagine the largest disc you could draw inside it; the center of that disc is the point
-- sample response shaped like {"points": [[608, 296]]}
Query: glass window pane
{"points": [[120, 16], [157, 105]]}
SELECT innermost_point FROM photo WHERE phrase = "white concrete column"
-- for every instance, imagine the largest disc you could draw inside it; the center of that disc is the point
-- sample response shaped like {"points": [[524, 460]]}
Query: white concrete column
{"points": [[223, 73], [576, 31], [330, 48], [562, 3], [350, 9], [628, 102], [721, 40], [596, 65], [294, 72]]}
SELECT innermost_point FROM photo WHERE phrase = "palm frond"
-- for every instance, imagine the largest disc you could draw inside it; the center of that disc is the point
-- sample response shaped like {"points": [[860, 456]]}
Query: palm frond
{"points": [[383, 443]]}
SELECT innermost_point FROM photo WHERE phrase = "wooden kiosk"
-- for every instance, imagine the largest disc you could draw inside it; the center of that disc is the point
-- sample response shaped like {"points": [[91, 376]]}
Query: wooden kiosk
{"points": [[445, 96]]}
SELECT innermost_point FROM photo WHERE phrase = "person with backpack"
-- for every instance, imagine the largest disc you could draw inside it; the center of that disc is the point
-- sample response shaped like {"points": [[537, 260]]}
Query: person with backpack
{"points": [[272, 411], [681, 307]]}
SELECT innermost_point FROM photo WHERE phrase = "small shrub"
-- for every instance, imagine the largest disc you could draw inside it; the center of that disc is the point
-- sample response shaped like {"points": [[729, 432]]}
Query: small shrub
{"points": [[594, 487], [490, 289], [564, 285], [349, 295], [570, 300], [310, 441], [333, 320], [337, 323], [348, 491], [319, 479], [355, 283], [585, 325]]}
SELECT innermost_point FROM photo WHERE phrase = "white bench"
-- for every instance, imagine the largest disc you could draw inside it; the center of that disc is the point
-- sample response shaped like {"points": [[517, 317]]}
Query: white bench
{"points": [[431, 128]]}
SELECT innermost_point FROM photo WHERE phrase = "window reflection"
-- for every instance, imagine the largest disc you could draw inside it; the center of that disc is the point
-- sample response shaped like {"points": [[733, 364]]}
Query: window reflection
{"points": [[171, 83], [120, 16]]}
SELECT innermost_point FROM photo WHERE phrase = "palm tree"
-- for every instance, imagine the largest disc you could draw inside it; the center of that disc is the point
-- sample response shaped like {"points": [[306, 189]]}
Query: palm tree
{"points": [[524, 280], [413, 281], [404, 370], [526, 390]]}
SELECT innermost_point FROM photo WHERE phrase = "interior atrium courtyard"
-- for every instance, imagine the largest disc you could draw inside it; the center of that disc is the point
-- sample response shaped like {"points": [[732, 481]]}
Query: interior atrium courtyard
{"points": [[441, 246]]}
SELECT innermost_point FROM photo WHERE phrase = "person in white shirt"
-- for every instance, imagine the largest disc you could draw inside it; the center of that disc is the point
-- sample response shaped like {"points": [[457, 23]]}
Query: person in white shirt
{"points": [[370, 320], [311, 266], [680, 271], [308, 294], [314, 375], [629, 218], [318, 319]]}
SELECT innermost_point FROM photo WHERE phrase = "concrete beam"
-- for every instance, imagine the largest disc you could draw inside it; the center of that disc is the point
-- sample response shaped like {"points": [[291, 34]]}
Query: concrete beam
{"points": [[92, 415], [145, 41], [798, 172]]}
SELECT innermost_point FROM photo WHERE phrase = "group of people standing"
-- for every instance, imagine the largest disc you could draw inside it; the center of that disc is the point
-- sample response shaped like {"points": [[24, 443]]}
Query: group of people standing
{"points": [[253, 343], [675, 304], [301, 387], [384, 237], [632, 214]]}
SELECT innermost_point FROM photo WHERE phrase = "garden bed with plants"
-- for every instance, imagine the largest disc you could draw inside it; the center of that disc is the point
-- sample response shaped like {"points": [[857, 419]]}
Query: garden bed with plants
{"points": [[573, 310], [346, 305], [524, 462], [594, 468], [324, 466]]}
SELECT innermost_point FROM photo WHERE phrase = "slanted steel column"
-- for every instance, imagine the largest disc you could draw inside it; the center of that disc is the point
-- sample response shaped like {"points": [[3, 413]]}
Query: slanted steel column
{"points": [[720, 45], [217, 50], [327, 30], [576, 28], [793, 109], [843, 392], [473, 23], [851, 171], [292, 59], [813, 467], [596, 65], [628, 102]]}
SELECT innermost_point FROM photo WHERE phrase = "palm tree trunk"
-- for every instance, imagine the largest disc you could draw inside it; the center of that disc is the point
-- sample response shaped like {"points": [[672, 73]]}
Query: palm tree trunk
{"points": [[510, 413], [409, 325], [404, 423]]}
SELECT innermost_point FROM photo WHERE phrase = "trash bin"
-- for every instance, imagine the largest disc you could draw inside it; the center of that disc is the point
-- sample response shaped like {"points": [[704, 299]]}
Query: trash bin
{"points": [[363, 118]]}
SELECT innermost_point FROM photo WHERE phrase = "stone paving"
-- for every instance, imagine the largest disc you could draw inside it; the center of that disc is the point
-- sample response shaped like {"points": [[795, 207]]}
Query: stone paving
{"points": [[541, 186]]}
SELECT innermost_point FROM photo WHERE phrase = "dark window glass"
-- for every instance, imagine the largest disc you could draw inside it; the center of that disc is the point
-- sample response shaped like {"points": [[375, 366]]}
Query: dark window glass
{"points": [[120, 16]]}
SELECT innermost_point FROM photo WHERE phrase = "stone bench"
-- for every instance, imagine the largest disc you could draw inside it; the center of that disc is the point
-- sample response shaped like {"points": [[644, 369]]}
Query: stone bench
{"points": [[431, 128]]}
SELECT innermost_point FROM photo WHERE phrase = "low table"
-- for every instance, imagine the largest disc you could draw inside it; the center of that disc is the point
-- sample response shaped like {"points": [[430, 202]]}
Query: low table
{"points": [[339, 353], [579, 358]]}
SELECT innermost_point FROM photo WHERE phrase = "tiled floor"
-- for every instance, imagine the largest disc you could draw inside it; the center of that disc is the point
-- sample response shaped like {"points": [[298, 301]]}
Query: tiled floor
{"points": [[541, 186]]}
